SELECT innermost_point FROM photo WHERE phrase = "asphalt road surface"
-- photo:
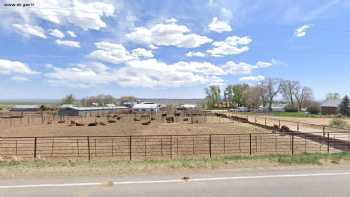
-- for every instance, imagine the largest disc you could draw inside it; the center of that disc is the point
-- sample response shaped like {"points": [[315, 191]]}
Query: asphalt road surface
{"points": [[315, 183]]}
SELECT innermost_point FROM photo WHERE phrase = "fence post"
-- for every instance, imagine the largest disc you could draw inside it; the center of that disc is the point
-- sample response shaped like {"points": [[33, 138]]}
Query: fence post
{"points": [[112, 147], [265, 121], [279, 123], [210, 146], [224, 145], [292, 143], [35, 145], [250, 144], [298, 126], [88, 147], [16, 147], [324, 130], [171, 147], [130, 156], [328, 142]]}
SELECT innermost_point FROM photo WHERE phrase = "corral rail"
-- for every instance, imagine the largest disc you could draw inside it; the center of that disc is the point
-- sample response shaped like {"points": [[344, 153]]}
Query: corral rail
{"points": [[145, 147]]}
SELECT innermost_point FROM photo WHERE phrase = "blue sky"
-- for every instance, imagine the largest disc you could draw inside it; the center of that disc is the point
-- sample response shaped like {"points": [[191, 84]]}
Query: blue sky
{"points": [[169, 48]]}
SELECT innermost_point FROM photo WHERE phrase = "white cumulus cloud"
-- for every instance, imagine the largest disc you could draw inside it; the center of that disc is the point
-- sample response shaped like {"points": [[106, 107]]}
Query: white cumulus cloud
{"points": [[8, 67], [195, 54], [148, 73], [28, 30], [301, 31], [140, 52], [83, 14], [219, 26], [56, 33], [71, 34], [111, 53], [68, 43], [81, 75], [232, 45], [234, 68], [168, 34]]}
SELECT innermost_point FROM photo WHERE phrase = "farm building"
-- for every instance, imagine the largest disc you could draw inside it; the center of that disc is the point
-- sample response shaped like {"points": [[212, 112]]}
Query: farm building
{"points": [[274, 108], [84, 111], [330, 106], [25, 108], [186, 107], [146, 107]]}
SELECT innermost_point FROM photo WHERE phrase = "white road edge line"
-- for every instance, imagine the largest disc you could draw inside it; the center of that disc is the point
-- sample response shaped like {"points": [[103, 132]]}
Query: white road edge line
{"points": [[172, 180]]}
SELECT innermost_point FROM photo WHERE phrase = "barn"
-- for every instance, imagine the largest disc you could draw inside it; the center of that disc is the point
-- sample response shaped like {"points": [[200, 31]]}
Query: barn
{"points": [[25, 108], [145, 107], [85, 111], [330, 106]]}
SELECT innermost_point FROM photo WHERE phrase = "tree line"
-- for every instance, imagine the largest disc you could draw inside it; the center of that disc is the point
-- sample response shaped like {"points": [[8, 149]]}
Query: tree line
{"points": [[262, 94], [99, 100]]}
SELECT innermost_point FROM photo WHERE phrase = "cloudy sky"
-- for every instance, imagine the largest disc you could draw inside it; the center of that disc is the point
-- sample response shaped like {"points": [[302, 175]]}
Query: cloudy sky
{"points": [[170, 48]]}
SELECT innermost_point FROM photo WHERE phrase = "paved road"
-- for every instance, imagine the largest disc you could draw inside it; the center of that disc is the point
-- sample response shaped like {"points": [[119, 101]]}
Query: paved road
{"points": [[224, 183]]}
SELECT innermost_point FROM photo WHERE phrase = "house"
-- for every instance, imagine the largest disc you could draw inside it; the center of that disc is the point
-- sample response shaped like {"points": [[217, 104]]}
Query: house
{"points": [[145, 107], [25, 108], [84, 111], [330, 106]]}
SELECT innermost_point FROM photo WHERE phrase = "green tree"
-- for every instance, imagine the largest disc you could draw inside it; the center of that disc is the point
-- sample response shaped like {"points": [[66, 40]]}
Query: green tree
{"points": [[213, 96], [69, 99], [101, 100], [344, 106], [235, 94], [124, 99]]}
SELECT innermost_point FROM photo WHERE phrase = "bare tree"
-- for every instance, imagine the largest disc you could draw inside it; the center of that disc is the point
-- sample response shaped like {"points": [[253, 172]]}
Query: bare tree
{"points": [[252, 97], [288, 89], [303, 95], [271, 87]]}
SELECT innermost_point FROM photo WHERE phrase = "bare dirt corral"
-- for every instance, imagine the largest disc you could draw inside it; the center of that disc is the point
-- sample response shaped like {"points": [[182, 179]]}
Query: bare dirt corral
{"points": [[206, 136], [127, 126]]}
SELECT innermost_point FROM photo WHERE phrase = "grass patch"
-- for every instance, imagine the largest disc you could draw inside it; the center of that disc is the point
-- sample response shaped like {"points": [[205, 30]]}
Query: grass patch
{"points": [[302, 159], [114, 167]]}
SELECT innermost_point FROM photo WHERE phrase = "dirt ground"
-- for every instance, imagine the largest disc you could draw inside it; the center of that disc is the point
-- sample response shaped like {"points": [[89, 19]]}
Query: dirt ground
{"points": [[126, 126], [251, 140]]}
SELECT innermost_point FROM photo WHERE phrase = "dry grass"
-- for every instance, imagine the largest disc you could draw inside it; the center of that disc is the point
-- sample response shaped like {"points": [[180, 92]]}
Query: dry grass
{"points": [[49, 168]]}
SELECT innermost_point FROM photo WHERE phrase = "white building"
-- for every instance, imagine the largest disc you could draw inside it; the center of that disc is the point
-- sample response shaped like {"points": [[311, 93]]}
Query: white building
{"points": [[145, 107], [187, 107], [25, 108]]}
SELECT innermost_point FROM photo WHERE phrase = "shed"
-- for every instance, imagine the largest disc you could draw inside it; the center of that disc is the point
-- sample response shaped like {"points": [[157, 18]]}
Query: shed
{"points": [[84, 111], [25, 108], [330, 106], [187, 107], [145, 107]]}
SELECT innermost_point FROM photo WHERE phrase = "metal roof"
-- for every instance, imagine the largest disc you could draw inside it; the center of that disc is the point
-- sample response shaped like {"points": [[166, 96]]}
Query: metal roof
{"points": [[94, 108], [331, 103], [25, 107], [145, 106]]}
